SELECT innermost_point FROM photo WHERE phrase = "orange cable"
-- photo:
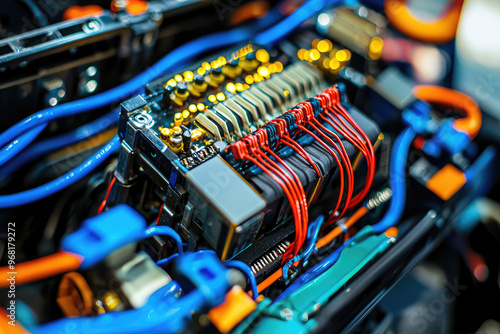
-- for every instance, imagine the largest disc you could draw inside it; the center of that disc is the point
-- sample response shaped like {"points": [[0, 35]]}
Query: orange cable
{"points": [[442, 30], [471, 123], [44, 267]]}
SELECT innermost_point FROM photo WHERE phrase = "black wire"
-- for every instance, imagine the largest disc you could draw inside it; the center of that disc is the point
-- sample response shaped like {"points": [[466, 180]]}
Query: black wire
{"points": [[40, 19]]}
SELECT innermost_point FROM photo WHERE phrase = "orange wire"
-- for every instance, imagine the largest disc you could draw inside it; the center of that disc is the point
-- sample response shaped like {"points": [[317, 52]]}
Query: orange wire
{"points": [[321, 243], [440, 31], [41, 268], [471, 123]]}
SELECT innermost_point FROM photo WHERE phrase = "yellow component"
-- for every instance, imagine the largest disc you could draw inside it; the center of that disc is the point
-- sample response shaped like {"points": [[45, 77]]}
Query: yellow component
{"points": [[239, 87], [201, 71], [178, 102], [178, 119], [332, 53], [188, 76], [214, 63], [212, 98], [191, 87], [186, 114], [182, 96], [375, 48], [446, 182], [273, 68], [178, 78], [314, 43], [206, 66], [200, 107], [172, 82], [286, 92], [232, 71], [214, 79], [164, 133], [326, 63], [176, 131], [222, 60], [323, 46], [200, 88], [301, 54], [264, 71], [230, 87], [249, 79], [314, 54], [220, 96], [257, 77], [334, 64], [192, 108], [111, 300], [249, 65], [341, 55], [236, 306], [348, 54], [262, 56], [196, 135], [279, 66]]}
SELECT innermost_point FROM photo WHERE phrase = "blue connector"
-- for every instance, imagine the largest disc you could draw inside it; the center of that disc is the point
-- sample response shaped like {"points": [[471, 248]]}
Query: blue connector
{"points": [[100, 235], [445, 138], [203, 281], [418, 117]]}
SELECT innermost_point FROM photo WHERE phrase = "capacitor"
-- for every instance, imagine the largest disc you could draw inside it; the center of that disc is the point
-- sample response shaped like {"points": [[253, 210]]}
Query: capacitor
{"points": [[166, 96], [186, 140]]}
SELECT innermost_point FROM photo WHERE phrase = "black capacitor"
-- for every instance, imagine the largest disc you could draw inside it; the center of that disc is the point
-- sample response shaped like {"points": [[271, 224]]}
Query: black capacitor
{"points": [[181, 88], [186, 140], [199, 80], [166, 96]]}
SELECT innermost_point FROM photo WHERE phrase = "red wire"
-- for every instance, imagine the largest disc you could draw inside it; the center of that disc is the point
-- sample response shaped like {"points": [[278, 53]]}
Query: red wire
{"points": [[295, 208], [255, 146], [159, 214], [341, 171], [370, 161], [103, 204], [300, 237]]}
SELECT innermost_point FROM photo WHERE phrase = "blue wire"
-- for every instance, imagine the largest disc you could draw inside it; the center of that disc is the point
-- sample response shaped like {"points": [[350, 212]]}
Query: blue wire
{"points": [[310, 8], [168, 62], [17, 145], [399, 157], [314, 272], [46, 146], [247, 271], [166, 260], [165, 231], [32, 195], [312, 235], [178, 56]]}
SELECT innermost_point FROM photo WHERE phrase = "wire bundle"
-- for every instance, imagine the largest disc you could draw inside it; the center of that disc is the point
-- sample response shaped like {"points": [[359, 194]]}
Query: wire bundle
{"points": [[258, 148]]}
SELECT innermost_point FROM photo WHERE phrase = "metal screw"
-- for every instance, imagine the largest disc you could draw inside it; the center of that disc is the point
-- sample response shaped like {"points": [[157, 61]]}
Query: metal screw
{"points": [[286, 314], [91, 26]]}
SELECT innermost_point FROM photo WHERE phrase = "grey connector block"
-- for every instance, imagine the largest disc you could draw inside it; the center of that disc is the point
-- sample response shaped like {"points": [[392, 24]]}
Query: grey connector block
{"points": [[229, 209]]}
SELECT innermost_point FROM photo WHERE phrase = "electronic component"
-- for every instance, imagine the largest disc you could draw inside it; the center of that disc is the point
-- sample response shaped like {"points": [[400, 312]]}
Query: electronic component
{"points": [[280, 173]]}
